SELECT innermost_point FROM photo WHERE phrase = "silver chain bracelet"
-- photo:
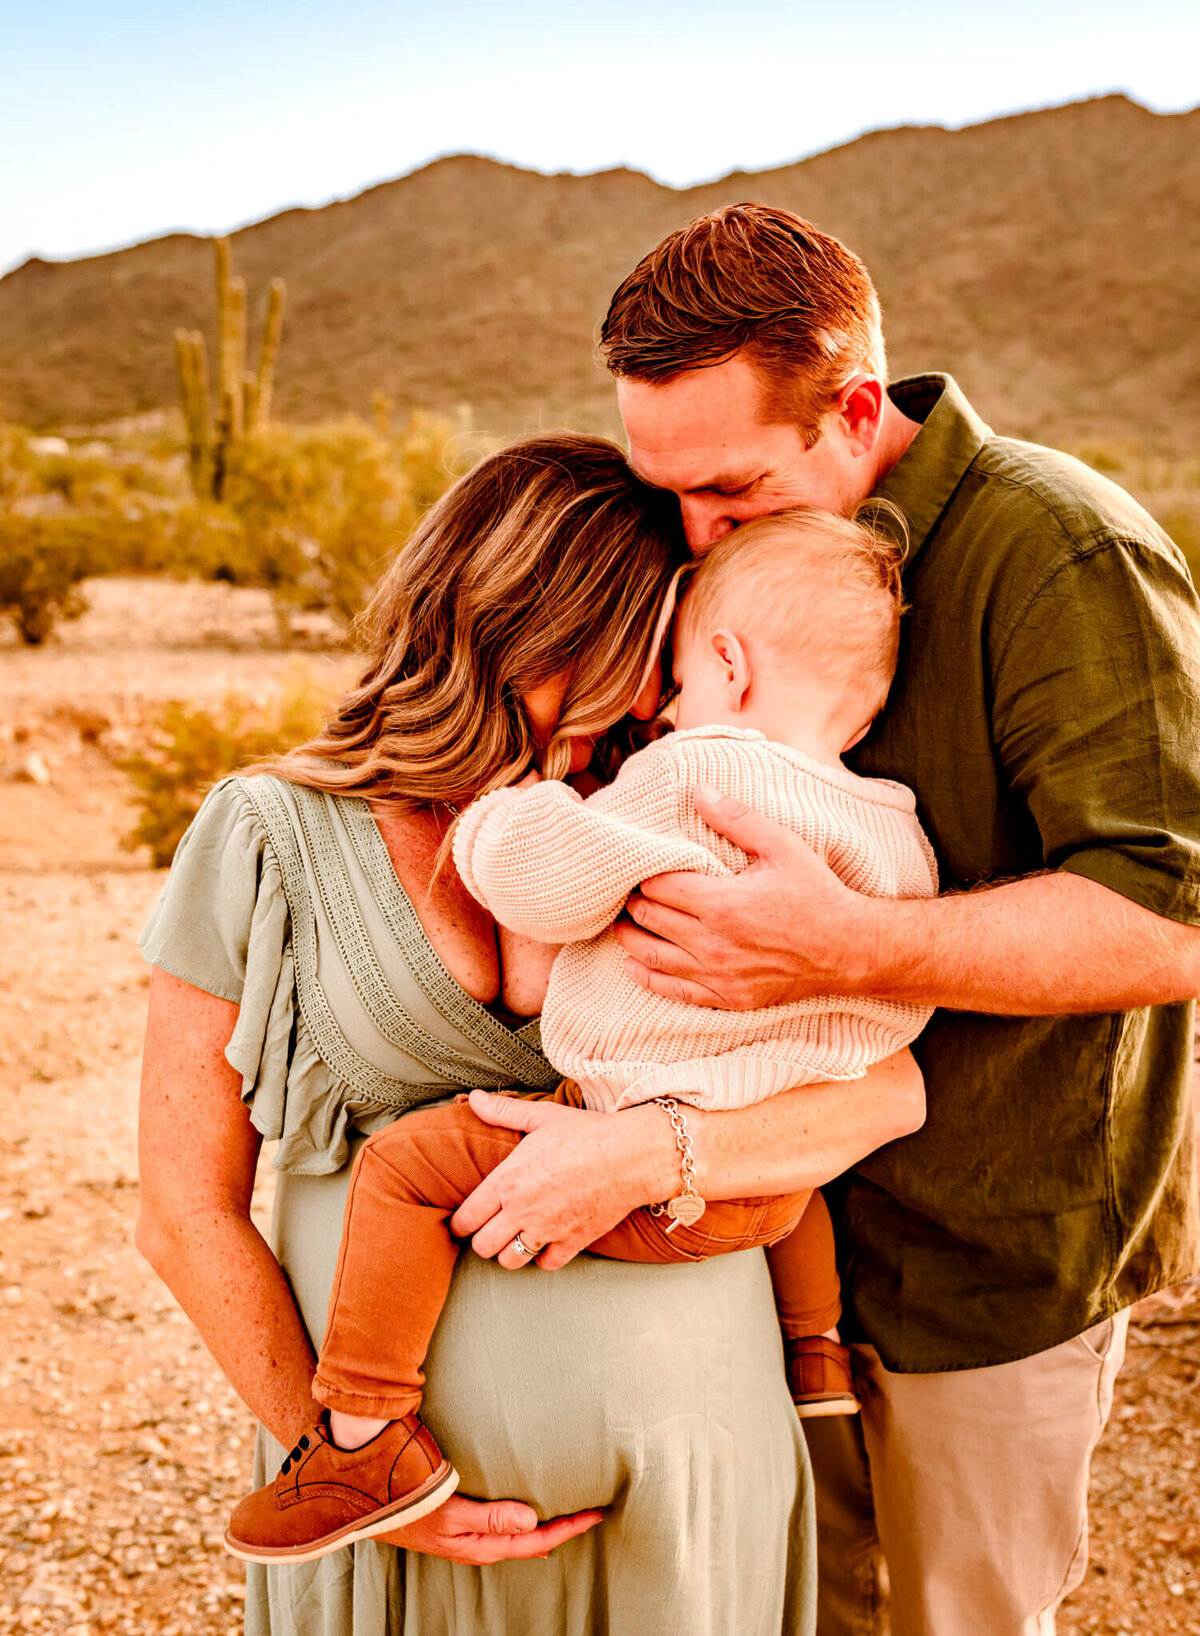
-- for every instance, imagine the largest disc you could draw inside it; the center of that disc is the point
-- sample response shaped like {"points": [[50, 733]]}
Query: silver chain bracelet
{"points": [[687, 1206]]}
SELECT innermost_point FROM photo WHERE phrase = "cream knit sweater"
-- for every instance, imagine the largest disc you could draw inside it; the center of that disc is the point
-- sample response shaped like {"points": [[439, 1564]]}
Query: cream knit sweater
{"points": [[558, 868]]}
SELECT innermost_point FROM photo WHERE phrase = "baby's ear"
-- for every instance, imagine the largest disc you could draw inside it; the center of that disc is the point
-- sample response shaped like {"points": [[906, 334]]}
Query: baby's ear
{"points": [[731, 651]]}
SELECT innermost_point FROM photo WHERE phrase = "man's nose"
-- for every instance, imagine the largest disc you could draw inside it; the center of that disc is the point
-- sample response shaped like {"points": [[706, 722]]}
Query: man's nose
{"points": [[704, 523]]}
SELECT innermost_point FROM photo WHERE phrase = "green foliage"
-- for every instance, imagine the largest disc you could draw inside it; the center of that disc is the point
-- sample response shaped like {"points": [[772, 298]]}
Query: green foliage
{"points": [[18, 467], [310, 514], [43, 563], [1182, 523], [323, 508], [1168, 488], [193, 747]]}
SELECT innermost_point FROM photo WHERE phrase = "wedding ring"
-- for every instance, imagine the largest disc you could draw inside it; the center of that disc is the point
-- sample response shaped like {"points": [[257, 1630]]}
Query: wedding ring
{"points": [[518, 1244]]}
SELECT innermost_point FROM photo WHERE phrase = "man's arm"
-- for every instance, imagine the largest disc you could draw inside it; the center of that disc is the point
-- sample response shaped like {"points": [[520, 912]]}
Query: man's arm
{"points": [[1095, 720], [787, 927]]}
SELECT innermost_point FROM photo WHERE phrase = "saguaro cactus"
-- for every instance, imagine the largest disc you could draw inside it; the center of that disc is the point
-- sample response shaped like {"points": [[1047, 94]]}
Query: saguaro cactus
{"points": [[272, 334], [243, 398], [191, 362]]}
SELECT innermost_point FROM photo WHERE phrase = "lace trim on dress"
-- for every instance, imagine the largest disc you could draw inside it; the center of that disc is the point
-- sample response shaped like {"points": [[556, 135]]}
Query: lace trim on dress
{"points": [[516, 1050], [331, 1043]]}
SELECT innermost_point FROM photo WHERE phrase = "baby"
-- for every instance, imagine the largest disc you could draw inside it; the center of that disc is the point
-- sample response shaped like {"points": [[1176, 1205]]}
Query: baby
{"points": [[785, 644]]}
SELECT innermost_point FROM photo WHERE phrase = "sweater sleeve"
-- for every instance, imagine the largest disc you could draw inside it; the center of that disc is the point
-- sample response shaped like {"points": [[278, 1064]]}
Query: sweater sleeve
{"points": [[552, 866]]}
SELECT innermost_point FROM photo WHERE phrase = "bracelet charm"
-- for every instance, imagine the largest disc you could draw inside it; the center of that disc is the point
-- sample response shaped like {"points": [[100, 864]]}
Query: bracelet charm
{"points": [[687, 1206]]}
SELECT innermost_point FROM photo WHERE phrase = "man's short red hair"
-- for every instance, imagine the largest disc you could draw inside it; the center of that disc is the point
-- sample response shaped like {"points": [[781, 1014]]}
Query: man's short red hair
{"points": [[757, 280]]}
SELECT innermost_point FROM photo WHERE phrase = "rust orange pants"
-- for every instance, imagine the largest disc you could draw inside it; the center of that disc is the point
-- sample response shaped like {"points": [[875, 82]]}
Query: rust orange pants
{"points": [[397, 1254]]}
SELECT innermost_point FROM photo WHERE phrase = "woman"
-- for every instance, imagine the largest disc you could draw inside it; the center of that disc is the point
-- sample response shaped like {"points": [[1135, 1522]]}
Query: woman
{"points": [[321, 970]]}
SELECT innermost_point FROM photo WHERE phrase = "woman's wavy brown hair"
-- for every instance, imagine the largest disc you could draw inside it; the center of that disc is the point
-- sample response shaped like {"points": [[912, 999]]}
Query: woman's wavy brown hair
{"points": [[548, 557]]}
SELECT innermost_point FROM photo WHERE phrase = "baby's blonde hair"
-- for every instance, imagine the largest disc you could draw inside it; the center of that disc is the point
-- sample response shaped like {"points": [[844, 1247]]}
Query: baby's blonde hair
{"points": [[820, 590]]}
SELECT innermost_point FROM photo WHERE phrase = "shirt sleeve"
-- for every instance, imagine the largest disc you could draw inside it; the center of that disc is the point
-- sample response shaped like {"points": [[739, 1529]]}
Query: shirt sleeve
{"points": [[555, 867], [223, 886], [1097, 722]]}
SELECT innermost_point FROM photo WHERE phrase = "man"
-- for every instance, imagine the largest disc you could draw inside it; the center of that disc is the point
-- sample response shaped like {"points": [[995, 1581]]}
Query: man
{"points": [[1047, 714]]}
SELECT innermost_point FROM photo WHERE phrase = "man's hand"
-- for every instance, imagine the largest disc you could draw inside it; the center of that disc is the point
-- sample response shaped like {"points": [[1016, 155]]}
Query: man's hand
{"points": [[478, 1532], [785, 928], [575, 1175]]}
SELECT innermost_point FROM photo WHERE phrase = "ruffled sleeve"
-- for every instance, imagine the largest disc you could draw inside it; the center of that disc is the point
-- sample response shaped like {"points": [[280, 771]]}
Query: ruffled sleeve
{"points": [[222, 923], [223, 891]]}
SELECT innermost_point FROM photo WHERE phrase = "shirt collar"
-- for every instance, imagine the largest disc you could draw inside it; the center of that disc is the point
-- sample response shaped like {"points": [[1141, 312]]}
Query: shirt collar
{"points": [[935, 462]]}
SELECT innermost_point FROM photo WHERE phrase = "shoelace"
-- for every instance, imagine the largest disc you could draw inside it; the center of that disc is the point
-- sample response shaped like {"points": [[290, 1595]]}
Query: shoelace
{"points": [[302, 1447]]}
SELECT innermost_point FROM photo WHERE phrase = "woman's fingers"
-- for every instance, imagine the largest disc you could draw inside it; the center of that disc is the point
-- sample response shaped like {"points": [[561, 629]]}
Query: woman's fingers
{"points": [[479, 1532], [514, 1259], [478, 1207], [540, 1541], [516, 1112], [557, 1254], [495, 1235], [560, 1529]]}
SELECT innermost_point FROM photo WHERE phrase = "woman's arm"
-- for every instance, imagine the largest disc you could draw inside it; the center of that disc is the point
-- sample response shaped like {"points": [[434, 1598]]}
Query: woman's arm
{"points": [[578, 1173], [197, 1153]]}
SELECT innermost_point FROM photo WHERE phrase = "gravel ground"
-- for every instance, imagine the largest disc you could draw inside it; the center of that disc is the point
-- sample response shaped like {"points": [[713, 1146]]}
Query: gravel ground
{"points": [[121, 1447]]}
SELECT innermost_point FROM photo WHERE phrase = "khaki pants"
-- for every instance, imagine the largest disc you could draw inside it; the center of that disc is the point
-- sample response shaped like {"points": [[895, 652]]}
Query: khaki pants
{"points": [[970, 1486]]}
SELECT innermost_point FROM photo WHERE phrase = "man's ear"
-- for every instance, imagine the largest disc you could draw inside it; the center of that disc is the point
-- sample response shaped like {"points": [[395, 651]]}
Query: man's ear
{"points": [[859, 409], [735, 661]]}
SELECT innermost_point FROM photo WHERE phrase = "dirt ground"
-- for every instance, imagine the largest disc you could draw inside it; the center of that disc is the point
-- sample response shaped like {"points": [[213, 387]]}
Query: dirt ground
{"points": [[121, 1447]]}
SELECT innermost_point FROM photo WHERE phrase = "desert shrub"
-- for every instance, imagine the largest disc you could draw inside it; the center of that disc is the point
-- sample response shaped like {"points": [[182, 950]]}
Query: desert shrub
{"points": [[192, 541], [310, 514], [192, 747], [18, 468], [43, 563], [1182, 523], [323, 508]]}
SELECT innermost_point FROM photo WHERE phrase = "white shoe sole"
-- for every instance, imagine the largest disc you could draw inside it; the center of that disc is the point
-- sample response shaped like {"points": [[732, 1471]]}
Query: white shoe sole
{"points": [[412, 1508], [833, 1405]]}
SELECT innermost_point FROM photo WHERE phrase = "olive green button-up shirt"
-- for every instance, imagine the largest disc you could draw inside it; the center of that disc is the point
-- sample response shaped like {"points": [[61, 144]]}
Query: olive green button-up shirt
{"points": [[1046, 711]]}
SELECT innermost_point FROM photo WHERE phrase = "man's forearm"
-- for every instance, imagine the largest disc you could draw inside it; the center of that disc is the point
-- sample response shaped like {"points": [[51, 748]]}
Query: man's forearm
{"points": [[1047, 945]]}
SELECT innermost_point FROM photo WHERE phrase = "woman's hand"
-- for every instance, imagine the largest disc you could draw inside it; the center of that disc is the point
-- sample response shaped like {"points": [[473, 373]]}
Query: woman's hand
{"points": [[575, 1175], [478, 1532]]}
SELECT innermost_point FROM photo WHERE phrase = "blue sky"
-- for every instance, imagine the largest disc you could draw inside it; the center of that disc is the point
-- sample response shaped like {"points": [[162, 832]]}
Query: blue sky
{"points": [[123, 120]]}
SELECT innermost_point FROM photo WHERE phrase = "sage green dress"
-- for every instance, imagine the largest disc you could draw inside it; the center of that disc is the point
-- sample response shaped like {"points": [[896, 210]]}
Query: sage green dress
{"points": [[655, 1392]]}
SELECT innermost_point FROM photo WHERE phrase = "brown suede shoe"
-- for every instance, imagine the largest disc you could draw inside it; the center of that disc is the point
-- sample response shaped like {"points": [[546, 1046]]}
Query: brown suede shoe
{"points": [[818, 1372], [325, 1497]]}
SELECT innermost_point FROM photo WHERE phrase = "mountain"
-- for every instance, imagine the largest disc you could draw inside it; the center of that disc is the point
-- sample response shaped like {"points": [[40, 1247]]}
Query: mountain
{"points": [[1050, 260]]}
